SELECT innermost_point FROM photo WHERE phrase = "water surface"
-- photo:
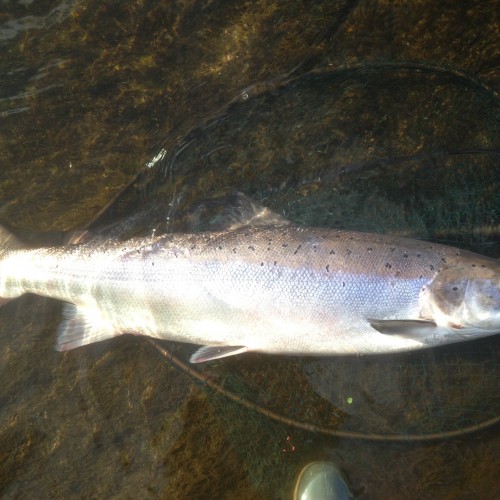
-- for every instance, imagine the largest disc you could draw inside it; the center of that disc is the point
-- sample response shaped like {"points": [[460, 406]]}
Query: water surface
{"points": [[360, 115]]}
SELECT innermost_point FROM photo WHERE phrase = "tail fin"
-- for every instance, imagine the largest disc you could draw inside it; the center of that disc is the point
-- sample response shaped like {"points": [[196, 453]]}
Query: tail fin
{"points": [[8, 242]]}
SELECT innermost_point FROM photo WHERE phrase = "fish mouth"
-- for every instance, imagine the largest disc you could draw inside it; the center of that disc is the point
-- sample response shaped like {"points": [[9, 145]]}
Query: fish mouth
{"points": [[471, 330]]}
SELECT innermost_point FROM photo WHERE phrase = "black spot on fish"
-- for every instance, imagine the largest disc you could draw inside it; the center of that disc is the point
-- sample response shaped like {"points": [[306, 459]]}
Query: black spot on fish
{"points": [[328, 268], [234, 250], [343, 284], [193, 247], [262, 263], [443, 260], [349, 252], [388, 265], [405, 255], [220, 247], [455, 288], [483, 266], [332, 252], [251, 248], [297, 249], [418, 255], [152, 263], [473, 265], [284, 245], [370, 249], [393, 249], [431, 267], [275, 262]]}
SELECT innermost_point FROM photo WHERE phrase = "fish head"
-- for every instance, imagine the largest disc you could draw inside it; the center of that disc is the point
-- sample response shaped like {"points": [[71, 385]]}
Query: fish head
{"points": [[465, 297]]}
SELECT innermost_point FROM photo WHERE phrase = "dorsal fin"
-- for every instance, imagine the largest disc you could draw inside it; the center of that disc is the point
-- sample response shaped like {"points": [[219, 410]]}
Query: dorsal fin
{"points": [[231, 212], [209, 353]]}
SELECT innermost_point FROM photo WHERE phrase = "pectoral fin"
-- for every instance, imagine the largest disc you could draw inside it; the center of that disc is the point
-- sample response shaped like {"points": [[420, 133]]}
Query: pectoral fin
{"points": [[82, 326], [415, 329], [208, 353]]}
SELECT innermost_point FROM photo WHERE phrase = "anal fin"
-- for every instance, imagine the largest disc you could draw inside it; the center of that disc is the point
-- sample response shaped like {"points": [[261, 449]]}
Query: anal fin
{"points": [[82, 326]]}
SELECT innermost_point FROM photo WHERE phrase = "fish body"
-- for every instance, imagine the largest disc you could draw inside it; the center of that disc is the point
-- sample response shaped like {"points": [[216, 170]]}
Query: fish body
{"points": [[280, 289]]}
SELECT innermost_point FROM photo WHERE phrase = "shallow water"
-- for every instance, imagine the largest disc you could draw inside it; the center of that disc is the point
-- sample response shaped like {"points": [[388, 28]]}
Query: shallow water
{"points": [[364, 115]]}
